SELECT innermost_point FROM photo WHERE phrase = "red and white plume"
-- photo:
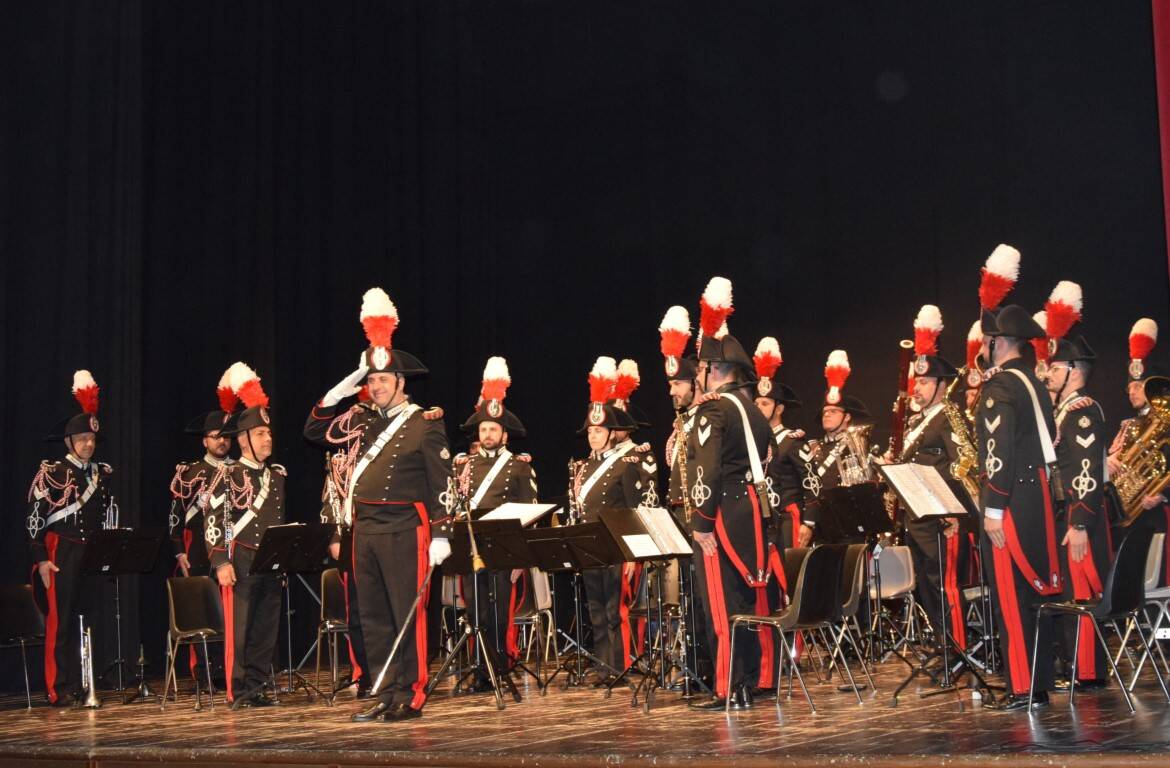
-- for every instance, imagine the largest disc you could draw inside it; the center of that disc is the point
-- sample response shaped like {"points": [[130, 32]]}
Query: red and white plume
{"points": [[1041, 344], [715, 307], [767, 357], [379, 317], [974, 345], [495, 380], [1000, 273], [85, 389], [602, 380], [227, 398], [675, 330], [246, 384], [836, 372], [927, 326], [628, 379], [1142, 338], [1063, 309]]}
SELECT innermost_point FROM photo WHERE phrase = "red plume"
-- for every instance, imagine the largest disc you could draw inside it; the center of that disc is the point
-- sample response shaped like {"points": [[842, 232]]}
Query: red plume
{"points": [[602, 380], [999, 276], [379, 317], [1142, 338], [1063, 309], [246, 384], [715, 306], [495, 379], [974, 344], [927, 326], [227, 398], [628, 380], [85, 390], [1041, 344], [767, 357], [675, 331]]}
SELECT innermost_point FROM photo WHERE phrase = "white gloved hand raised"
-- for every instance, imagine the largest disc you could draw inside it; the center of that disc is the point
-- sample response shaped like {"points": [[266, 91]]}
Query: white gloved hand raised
{"points": [[347, 387], [439, 551]]}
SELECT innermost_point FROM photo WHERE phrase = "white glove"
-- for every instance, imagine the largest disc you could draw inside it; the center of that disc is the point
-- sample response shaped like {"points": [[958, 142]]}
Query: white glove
{"points": [[440, 550], [347, 387]]}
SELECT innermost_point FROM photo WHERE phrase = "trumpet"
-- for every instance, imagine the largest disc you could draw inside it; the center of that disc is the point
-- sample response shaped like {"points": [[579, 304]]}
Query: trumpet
{"points": [[91, 701]]}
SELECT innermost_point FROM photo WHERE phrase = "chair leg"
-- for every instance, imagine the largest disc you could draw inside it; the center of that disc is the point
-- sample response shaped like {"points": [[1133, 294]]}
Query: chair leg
{"points": [[848, 632], [162, 702], [207, 667], [799, 677], [24, 664], [1154, 665], [839, 652], [730, 670], [1035, 648], [1116, 672], [317, 673], [1072, 678]]}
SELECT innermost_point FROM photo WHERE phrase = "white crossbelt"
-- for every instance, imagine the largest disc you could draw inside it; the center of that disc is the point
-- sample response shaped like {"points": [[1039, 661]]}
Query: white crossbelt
{"points": [[602, 468], [372, 453], [501, 460], [76, 506]]}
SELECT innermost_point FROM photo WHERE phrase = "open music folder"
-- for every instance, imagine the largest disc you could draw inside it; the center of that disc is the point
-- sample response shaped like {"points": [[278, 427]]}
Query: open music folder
{"points": [[923, 490]]}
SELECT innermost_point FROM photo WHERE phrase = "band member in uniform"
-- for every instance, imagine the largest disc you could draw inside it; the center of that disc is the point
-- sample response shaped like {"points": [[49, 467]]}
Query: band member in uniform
{"points": [[932, 440], [1013, 432], [488, 477], [730, 498], [255, 501], [69, 501], [199, 484], [1080, 437], [628, 380], [841, 457], [398, 500], [675, 333], [607, 479]]}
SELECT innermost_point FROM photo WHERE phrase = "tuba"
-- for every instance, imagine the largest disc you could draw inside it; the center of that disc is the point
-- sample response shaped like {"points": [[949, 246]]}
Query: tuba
{"points": [[854, 463], [1144, 470]]}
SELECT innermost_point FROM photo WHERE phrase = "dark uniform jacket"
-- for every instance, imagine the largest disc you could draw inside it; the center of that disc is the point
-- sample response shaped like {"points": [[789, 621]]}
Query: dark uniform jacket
{"points": [[55, 501], [1080, 453], [404, 483], [1014, 476], [788, 468], [822, 471], [515, 482], [934, 445], [616, 487], [647, 467], [194, 486], [721, 478], [255, 501]]}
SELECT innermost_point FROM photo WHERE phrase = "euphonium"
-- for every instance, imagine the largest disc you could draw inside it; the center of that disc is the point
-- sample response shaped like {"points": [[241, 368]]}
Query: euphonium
{"points": [[91, 701], [854, 463], [1144, 470]]}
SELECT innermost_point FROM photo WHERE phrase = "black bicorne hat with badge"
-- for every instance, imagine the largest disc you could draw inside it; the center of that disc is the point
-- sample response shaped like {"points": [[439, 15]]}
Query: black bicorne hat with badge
{"points": [[490, 407], [927, 362], [602, 413], [215, 421], [767, 361], [85, 391]]}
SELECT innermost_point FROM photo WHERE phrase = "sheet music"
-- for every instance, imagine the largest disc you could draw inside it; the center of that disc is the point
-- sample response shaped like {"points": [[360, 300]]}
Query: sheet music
{"points": [[923, 490], [642, 545], [527, 514], [662, 528]]}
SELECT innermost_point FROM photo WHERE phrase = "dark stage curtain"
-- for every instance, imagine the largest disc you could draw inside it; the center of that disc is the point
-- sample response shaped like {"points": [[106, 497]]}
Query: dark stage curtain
{"points": [[183, 185]]}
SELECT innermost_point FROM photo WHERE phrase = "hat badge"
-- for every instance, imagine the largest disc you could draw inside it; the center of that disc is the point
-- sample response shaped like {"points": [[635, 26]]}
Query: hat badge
{"points": [[494, 408], [833, 397], [1136, 369], [921, 365], [93, 424], [596, 414], [264, 415], [671, 365], [1052, 343], [380, 357], [764, 387]]}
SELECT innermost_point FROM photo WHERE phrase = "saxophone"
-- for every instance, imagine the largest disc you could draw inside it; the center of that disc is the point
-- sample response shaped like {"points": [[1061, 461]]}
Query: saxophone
{"points": [[965, 468]]}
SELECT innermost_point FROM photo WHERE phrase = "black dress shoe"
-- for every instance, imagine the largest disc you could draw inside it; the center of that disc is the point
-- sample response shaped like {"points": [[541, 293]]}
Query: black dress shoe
{"points": [[712, 704], [1014, 703], [743, 698], [401, 712], [261, 700], [372, 714], [1097, 684], [363, 690]]}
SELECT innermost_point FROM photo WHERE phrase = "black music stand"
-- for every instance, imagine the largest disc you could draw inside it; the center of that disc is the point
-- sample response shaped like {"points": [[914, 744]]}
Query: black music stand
{"points": [[927, 507], [630, 533], [116, 552], [502, 546], [292, 548], [573, 548]]}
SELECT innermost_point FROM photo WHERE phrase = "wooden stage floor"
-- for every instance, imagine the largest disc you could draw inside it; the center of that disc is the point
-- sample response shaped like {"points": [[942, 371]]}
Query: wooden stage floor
{"points": [[579, 727]]}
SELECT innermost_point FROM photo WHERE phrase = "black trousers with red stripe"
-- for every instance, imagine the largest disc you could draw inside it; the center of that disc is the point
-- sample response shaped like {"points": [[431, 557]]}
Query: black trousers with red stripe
{"points": [[353, 614], [390, 568], [69, 596], [252, 622], [1083, 581], [717, 581], [1015, 603], [940, 596]]}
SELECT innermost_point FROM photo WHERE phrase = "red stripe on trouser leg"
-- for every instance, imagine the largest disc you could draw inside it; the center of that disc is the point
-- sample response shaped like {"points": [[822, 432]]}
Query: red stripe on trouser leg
{"points": [[1018, 663], [52, 620], [793, 509], [958, 625], [1086, 584], [767, 651], [423, 532], [229, 637], [640, 636], [776, 566], [625, 599], [718, 617], [515, 599], [356, 670]]}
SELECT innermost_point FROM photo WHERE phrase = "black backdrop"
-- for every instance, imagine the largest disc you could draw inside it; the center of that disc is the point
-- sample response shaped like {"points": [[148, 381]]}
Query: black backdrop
{"points": [[187, 184]]}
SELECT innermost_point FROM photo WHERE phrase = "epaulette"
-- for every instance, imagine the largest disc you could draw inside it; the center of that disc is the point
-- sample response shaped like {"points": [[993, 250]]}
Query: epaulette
{"points": [[796, 434], [643, 448], [1084, 401], [631, 459], [49, 465], [278, 468], [105, 468], [434, 413]]}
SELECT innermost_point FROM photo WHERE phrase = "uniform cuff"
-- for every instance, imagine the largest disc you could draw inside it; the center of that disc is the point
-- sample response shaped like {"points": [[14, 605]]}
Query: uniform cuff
{"points": [[993, 514]]}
